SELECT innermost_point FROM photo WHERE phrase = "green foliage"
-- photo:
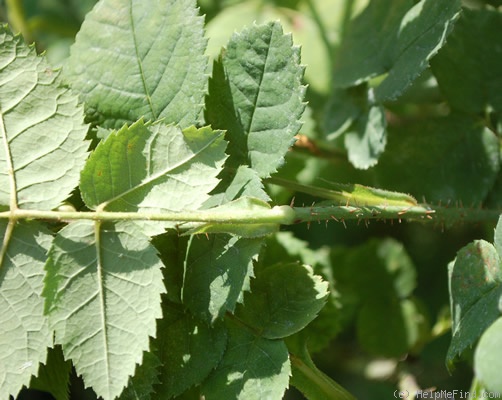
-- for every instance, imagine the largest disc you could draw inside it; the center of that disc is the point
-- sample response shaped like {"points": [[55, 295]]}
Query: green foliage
{"points": [[151, 236], [140, 40], [475, 291]]}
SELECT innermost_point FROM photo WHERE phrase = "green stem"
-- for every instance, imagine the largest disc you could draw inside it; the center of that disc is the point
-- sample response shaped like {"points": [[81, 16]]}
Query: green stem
{"points": [[283, 215], [347, 16], [17, 19], [323, 31], [279, 214], [314, 384]]}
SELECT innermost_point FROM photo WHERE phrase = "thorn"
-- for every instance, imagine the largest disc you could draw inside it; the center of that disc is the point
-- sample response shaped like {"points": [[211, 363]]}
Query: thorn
{"points": [[312, 210], [308, 224], [333, 217], [366, 222], [343, 222], [292, 203], [402, 212], [207, 236]]}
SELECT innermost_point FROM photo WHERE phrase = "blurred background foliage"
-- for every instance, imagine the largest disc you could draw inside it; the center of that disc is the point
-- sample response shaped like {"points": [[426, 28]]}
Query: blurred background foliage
{"points": [[387, 322]]}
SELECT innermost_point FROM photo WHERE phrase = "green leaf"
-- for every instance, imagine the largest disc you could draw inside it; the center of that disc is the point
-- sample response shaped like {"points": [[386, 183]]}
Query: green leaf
{"points": [[343, 109], [134, 59], [172, 249], [467, 67], [385, 262], [488, 358], [252, 368], [284, 298], [256, 95], [189, 350], [353, 112], [366, 140], [54, 376], [24, 331], [217, 271], [241, 183], [475, 280], [141, 385], [452, 158], [153, 168], [396, 38], [390, 327], [284, 247], [305, 30], [375, 281], [102, 290], [35, 108]]}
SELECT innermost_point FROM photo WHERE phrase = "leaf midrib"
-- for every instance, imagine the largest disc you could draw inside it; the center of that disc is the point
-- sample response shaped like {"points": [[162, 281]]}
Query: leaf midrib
{"points": [[140, 64]]}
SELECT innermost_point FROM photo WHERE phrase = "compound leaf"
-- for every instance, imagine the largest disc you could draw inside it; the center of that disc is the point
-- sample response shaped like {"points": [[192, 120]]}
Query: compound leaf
{"points": [[134, 59], [252, 368], [153, 168], [35, 109], [396, 38], [102, 290], [217, 271], [24, 331], [256, 95]]}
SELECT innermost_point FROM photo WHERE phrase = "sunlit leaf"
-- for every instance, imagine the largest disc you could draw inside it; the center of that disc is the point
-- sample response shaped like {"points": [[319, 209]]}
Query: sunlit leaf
{"points": [[42, 147], [24, 332], [217, 271], [256, 95], [137, 167], [262, 374], [102, 290], [134, 59]]}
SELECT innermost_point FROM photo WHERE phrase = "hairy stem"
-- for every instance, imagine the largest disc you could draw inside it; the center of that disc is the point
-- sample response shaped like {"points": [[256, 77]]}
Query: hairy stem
{"points": [[283, 215]]}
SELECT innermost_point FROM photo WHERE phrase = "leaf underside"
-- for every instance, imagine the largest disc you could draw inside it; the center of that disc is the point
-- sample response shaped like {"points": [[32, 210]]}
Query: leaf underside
{"points": [[35, 109], [24, 331], [102, 290]]}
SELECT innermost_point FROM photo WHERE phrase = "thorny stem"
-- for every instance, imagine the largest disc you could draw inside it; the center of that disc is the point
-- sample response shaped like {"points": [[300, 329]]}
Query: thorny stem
{"points": [[283, 215]]}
